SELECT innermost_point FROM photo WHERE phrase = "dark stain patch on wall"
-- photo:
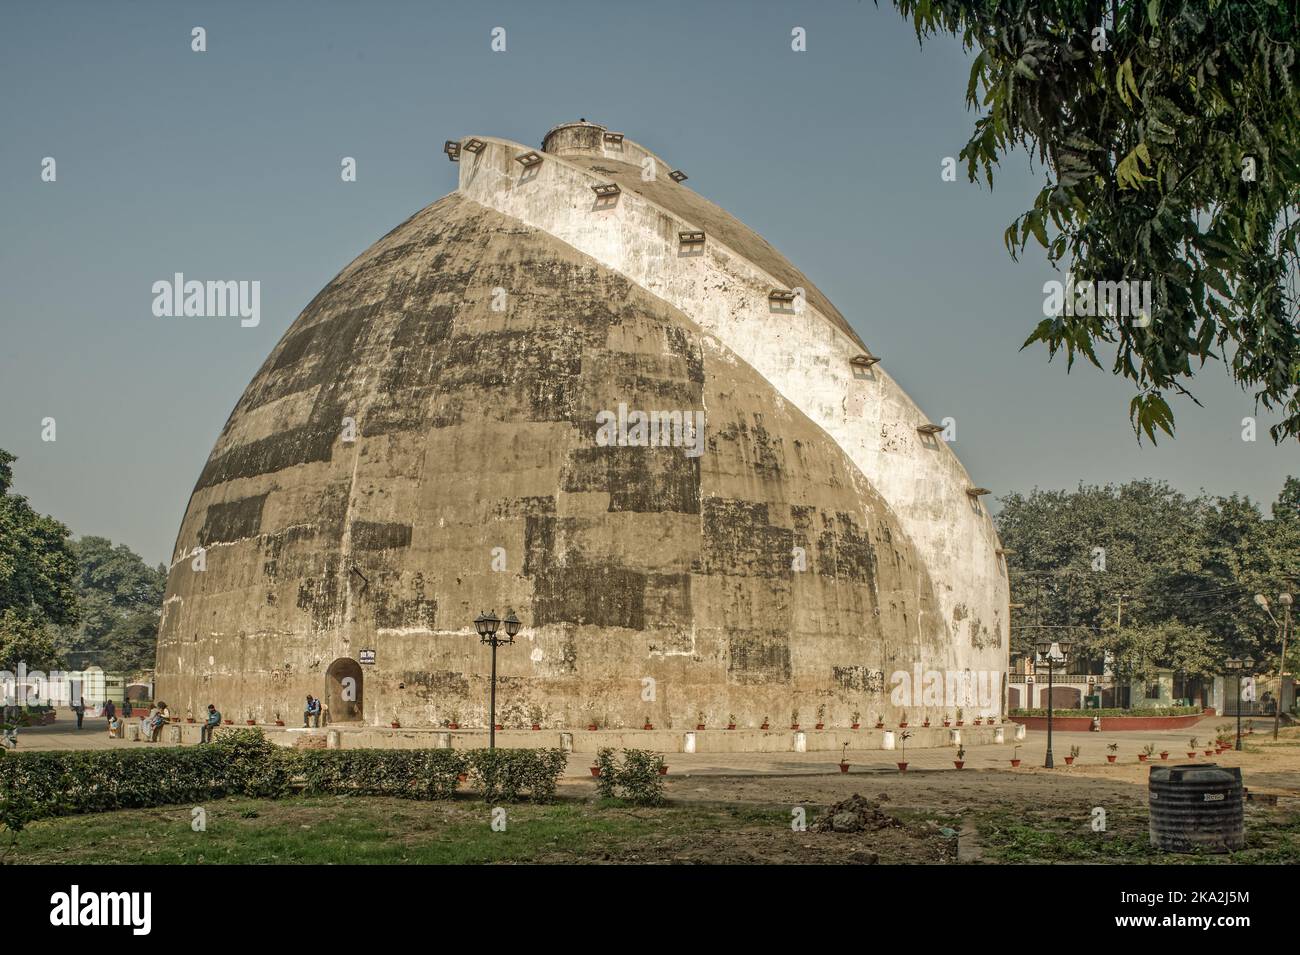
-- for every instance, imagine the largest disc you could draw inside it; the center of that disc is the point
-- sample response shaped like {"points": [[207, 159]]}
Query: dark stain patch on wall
{"points": [[232, 520], [844, 551], [758, 658], [740, 539], [858, 679], [584, 594], [376, 535]]}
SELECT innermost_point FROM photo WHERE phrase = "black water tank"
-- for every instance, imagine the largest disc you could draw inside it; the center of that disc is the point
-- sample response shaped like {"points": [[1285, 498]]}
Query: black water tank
{"points": [[1196, 807]]}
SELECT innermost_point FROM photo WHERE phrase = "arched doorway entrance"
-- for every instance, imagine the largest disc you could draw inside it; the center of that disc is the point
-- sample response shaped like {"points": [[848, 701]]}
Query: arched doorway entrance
{"points": [[343, 691]]}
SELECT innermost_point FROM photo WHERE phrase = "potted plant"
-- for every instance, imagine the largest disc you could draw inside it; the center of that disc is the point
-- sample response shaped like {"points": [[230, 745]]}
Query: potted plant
{"points": [[978, 721], [663, 767], [1164, 754], [1113, 749], [189, 716], [959, 716], [1074, 754], [648, 724], [250, 721], [821, 717], [857, 716], [947, 720], [396, 723], [731, 721], [1146, 753], [765, 725], [453, 721], [844, 758], [231, 723], [1015, 757], [902, 722], [960, 761], [699, 720], [903, 737], [926, 722], [1195, 742], [595, 768], [279, 720], [880, 722], [794, 719], [535, 716]]}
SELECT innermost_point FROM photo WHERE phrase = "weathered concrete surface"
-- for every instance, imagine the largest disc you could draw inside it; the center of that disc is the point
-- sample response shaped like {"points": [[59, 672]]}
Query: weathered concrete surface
{"points": [[470, 350], [804, 354]]}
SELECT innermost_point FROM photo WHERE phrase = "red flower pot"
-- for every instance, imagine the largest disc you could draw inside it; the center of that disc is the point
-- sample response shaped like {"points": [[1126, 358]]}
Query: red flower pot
{"points": [[731, 726], [1191, 755], [926, 723], [902, 726], [1209, 752], [763, 727], [844, 767], [902, 767], [1164, 755], [820, 726], [595, 770], [396, 725], [1015, 763], [977, 722], [699, 726], [1110, 759], [880, 726], [648, 726], [537, 726], [959, 763], [230, 722], [961, 722], [794, 726], [453, 726], [591, 726], [1069, 760], [947, 722], [277, 722], [189, 719], [855, 726], [251, 722], [663, 770], [500, 727]]}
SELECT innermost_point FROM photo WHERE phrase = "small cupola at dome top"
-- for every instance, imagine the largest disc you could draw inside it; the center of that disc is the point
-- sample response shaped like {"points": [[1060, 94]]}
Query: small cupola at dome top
{"points": [[581, 138]]}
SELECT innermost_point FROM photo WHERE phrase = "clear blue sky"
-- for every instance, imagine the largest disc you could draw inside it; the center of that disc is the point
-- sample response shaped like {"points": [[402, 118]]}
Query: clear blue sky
{"points": [[225, 164]]}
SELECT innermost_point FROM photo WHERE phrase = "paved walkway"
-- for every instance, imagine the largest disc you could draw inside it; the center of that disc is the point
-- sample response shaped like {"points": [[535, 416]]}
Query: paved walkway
{"points": [[1092, 751]]}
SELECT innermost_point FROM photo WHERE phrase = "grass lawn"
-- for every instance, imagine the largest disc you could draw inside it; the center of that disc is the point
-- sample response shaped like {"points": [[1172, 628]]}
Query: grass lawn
{"points": [[334, 829], [381, 831], [1033, 836]]}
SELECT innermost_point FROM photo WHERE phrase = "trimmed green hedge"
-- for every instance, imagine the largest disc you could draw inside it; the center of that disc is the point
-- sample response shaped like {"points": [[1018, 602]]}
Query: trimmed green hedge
{"points": [[1141, 711], [243, 762]]}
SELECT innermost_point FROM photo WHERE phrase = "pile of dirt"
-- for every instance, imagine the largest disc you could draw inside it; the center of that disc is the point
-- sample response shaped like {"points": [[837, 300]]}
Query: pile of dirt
{"points": [[856, 814]]}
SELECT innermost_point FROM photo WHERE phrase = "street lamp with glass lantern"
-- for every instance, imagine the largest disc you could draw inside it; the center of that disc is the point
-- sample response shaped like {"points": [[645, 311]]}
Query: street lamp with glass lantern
{"points": [[1053, 654], [1283, 631], [487, 625], [1241, 668]]}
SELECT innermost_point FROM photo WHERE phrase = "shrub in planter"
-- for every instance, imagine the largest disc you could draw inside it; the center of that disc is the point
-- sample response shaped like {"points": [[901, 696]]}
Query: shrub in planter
{"points": [[636, 778]]}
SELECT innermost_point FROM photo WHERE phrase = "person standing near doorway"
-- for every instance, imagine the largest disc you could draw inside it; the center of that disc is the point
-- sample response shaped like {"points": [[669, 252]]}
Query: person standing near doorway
{"points": [[80, 709]]}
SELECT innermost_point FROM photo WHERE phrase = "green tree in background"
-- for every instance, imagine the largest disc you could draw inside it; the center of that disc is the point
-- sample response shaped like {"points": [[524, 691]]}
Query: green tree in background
{"points": [[1148, 576], [120, 598], [37, 579], [1169, 132]]}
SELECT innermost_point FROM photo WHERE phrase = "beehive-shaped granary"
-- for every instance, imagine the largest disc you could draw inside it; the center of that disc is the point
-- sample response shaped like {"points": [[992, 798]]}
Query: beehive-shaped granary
{"points": [[575, 388]]}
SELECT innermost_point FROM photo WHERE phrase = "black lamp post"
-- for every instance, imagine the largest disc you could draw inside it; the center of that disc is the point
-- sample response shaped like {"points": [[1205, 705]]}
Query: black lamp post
{"points": [[1241, 668], [487, 625], [1048, 651]]}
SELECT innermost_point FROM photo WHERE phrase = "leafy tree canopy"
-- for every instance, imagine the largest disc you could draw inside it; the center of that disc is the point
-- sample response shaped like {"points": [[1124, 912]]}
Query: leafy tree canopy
{"points": [[1147, 575], [1170, 135], [37, 578]]}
